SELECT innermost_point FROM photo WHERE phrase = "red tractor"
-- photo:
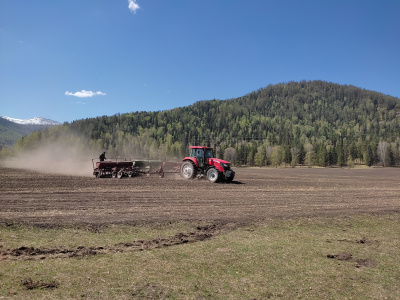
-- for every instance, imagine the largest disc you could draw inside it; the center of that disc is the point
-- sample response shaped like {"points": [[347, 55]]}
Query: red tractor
{"points": [[201, 162]]}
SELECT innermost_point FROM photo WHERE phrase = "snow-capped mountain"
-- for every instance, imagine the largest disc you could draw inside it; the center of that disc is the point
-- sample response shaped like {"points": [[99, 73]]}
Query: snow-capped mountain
{"points": [[12, 129], [33, 121]]}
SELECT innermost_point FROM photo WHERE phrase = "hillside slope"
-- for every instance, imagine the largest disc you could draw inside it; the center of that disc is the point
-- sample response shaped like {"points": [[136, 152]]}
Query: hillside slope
{"points": [[332, 123], [10, 131]]}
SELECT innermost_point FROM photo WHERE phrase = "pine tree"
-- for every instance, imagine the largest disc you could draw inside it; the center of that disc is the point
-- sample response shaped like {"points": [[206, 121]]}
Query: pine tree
{"points": [[369, 157]]}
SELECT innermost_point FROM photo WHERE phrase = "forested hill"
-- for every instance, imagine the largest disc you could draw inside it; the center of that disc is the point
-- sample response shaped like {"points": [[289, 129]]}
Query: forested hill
{"points": [[10, 132], [313, 122]]}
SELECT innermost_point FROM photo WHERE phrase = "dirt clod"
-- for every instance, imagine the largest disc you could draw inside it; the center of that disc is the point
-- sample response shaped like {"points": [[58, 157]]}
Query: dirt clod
{"points": [[150, 291], [368, 263], [31, 284], [345, 256], [341, 256]]}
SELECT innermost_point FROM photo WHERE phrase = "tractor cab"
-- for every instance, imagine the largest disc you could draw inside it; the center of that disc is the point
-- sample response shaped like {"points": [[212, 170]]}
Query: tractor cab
{"points": [[201, 154], [198, 151]]}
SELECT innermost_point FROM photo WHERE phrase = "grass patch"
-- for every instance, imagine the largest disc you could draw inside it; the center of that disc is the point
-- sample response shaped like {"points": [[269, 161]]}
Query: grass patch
{"points": [[273, 259]]}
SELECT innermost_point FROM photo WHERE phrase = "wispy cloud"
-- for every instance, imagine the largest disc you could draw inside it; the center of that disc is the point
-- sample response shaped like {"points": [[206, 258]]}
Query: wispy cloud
{"points": [[85, 94], [133, 6]]}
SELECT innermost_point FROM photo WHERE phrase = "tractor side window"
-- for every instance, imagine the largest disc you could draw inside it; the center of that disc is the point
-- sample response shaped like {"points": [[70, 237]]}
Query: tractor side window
{"points": [[199, 153]]}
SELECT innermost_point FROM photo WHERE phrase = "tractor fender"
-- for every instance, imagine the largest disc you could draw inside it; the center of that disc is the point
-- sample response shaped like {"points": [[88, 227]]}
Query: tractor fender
{"points": [[192, 159], [212, 167]]}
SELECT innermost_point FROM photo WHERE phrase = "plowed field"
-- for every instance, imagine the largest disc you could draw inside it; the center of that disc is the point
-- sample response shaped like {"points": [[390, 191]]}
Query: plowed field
{"points": [[53, 199]]}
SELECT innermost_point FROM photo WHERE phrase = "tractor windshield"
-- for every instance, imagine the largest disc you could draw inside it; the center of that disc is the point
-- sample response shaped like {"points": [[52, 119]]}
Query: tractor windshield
{"points": [[209, 153]]}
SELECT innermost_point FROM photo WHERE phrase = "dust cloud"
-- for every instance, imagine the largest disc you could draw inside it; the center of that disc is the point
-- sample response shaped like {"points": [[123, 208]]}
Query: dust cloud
{"points": [[55, 158]]}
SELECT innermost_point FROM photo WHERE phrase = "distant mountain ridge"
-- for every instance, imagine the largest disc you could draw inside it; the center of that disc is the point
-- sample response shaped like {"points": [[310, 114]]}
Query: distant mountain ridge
{"points": [[11, 129], [33, 121]]}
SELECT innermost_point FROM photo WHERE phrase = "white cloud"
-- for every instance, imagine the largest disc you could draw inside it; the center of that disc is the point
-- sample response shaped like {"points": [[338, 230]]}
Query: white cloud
{"points": [[133, 6], [85, 94]]}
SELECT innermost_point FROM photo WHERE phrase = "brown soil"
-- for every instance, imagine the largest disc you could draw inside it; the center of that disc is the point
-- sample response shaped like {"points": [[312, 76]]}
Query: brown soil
{"points": [[52, 199]]}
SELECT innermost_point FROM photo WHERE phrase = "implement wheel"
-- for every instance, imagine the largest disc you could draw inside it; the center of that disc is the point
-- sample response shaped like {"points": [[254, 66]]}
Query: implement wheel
{"points": [[213, 175], [188, 170]]}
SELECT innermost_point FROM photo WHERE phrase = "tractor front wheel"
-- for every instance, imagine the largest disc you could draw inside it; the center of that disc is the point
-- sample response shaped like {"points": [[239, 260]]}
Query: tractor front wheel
{"points": [[188, 170], [213, 175]]}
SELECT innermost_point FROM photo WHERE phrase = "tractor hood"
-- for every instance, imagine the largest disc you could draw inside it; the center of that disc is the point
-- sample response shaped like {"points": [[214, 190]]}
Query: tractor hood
{"points": [[213, 161]]}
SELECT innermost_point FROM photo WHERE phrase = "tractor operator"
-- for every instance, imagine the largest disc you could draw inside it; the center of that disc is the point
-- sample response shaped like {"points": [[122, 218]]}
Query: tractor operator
{"points": [[102, 156]]}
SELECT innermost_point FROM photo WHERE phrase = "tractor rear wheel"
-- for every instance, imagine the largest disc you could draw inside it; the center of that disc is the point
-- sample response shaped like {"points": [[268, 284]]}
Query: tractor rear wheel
{"points": [[213, 175], [188, 170]]}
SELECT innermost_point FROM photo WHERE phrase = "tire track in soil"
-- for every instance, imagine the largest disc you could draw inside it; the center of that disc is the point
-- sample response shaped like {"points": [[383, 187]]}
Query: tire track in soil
{"points": [[202, 233]]}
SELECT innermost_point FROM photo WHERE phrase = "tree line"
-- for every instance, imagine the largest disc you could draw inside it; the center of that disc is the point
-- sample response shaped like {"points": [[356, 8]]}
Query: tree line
{"points": [[313, 123]]}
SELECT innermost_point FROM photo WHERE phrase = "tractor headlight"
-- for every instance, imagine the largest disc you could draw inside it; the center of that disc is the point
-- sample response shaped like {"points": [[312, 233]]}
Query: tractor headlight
{"points": [[225, 166]]}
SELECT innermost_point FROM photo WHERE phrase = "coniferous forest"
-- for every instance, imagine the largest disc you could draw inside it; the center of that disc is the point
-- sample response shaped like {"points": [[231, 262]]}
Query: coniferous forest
{"points": [[311, 123]]}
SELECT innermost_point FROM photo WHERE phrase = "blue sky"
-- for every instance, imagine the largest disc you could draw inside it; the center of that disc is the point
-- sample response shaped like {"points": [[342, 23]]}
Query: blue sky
{"points": [[68, 60]]}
